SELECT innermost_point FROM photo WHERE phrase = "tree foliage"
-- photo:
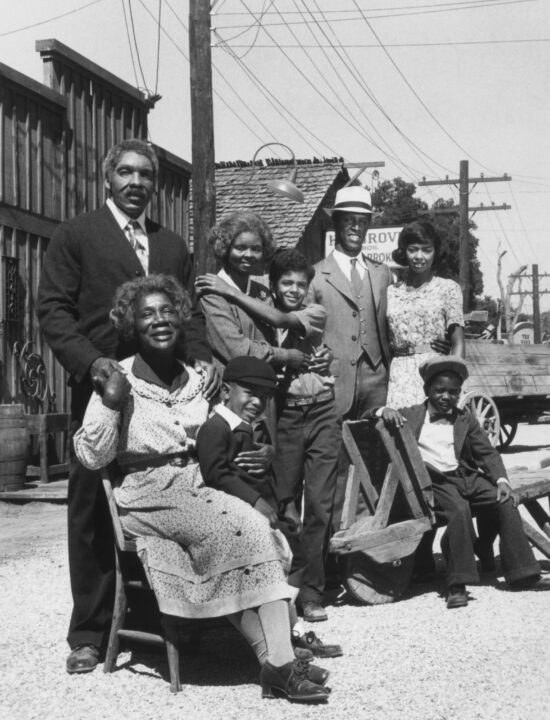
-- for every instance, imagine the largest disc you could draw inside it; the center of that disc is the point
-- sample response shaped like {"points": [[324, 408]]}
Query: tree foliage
{"points": [[395, 204]]}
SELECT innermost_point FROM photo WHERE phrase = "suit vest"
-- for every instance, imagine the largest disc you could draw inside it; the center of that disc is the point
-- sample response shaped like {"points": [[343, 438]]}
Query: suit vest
{"points": [[368, 334]]}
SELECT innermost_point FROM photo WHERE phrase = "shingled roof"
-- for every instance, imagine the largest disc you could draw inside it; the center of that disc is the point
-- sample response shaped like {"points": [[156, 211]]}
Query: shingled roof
{"points": [[239, 186]]}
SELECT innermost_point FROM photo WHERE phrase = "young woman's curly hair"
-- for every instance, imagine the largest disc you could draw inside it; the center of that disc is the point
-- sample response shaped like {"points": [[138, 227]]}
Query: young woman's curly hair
{"points": [[224, 233], [129, 293], [419, 231]]}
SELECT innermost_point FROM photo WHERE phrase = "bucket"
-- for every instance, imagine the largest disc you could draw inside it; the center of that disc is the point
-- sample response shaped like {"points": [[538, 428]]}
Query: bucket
{"points": [[14, 447]]}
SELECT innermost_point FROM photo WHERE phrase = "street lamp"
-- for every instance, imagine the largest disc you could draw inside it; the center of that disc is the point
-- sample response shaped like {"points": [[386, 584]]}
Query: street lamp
{"points": [[284, 187]]}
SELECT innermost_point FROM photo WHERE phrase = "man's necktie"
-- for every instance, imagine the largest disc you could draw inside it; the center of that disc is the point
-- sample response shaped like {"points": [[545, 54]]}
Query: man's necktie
{"points": [[140, 251], [450, 417], [355, 278]]}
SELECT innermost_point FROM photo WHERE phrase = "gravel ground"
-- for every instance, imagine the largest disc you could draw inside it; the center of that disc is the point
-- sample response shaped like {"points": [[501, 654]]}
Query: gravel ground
{"points": [[414, 659]]}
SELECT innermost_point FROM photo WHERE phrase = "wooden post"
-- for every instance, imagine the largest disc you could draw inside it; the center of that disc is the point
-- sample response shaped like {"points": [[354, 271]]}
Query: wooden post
{"points": [[536, 305], [463, 242], [202, 121]]}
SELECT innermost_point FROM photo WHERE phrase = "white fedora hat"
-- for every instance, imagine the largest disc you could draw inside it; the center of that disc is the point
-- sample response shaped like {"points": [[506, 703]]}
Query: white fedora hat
{"points": [[353, 199]]}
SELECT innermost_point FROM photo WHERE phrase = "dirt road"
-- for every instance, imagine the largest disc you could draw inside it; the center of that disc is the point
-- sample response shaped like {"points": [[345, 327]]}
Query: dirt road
{"points": [[413, 659]]}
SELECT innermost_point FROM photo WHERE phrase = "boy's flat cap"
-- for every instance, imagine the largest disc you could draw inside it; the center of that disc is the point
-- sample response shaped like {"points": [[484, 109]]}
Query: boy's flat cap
{"points": [[446, 363], [250, 371]]}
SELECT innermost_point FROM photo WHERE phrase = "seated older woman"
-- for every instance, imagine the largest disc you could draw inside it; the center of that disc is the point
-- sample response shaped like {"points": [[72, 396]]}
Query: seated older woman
{"points": [[224, 559]]}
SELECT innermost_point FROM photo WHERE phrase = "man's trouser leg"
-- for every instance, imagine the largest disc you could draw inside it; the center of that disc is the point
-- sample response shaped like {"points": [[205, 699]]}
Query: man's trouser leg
{"points": [[322, 447], [91, 546], [371, 390], [516, 555], [452, 509]]}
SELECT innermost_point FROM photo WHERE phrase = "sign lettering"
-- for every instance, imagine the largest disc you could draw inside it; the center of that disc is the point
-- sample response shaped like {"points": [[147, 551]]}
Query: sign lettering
{"points": [[378, 246]]}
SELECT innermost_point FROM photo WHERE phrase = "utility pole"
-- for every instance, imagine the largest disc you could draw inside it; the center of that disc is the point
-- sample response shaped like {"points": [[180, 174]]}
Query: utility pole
{"points": [[536, 304], [463, 183], [202, 126], [536, 292]]}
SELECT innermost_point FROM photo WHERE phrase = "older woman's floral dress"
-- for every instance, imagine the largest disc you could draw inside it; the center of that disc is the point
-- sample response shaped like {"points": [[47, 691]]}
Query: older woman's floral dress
{"points": [[416, 316], [206, 553]]}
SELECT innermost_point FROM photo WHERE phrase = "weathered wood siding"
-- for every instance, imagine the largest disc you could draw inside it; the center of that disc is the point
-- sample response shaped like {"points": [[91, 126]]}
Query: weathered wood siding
{"points": [[53, 138]]}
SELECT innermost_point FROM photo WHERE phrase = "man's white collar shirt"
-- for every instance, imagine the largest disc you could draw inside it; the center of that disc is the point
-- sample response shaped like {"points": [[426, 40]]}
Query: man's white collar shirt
{"points": [[343, 262]]}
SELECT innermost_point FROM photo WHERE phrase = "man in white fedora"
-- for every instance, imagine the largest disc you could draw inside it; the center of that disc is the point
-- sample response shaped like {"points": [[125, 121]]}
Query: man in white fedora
{"points": [[352, 288]]}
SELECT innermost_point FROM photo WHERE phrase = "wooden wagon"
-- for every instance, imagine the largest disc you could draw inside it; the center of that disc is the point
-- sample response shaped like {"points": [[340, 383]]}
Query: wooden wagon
{"points": [[508, 384], [388, 507]]}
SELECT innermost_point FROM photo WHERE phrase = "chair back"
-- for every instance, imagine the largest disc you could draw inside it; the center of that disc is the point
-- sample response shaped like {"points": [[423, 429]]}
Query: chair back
{"points": [[109, 478]]}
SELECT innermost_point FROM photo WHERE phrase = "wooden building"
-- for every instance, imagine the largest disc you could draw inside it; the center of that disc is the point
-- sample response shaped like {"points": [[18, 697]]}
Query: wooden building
{"points": [[241, 186], [53, 137]]}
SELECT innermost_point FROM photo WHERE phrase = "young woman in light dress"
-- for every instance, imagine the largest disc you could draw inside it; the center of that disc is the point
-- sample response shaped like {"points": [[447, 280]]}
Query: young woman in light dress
{"points": [[423, 309]]}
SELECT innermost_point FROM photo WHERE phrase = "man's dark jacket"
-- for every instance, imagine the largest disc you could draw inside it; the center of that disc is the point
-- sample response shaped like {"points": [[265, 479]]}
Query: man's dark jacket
{"points": [[88, 257], [472, 448]]}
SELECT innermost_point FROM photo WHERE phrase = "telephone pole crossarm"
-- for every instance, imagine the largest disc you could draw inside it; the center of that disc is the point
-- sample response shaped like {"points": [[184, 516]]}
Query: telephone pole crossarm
{"points": [[463, 183], [455, 181]]}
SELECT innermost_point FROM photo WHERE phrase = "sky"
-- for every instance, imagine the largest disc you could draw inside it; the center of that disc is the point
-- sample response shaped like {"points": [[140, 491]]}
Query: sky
{"points": [[417, 84]]}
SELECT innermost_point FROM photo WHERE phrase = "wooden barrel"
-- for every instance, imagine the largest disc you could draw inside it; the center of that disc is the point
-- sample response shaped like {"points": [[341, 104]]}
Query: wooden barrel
{"points": [[14, 447]]}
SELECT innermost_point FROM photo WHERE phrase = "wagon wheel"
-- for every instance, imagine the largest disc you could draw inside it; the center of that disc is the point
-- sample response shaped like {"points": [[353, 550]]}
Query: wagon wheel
{"points": [[507, 434], [484, 409], [372, 583]]}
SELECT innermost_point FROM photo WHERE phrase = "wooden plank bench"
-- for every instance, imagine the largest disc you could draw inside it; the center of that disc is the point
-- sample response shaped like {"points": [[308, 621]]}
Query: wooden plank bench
{"points": [[533, 486]]}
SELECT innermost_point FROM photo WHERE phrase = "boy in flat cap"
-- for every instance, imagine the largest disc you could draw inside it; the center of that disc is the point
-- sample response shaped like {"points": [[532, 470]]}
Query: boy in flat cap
{"points": [[246, 384], [467, 475]]}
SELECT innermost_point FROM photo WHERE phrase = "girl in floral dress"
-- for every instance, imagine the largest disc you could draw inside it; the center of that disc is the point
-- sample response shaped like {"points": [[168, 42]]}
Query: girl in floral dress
{"points": [[422, 309]]}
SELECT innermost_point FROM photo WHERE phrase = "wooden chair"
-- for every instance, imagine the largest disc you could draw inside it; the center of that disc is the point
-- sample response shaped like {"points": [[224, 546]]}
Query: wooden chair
{"points": [[127, 585], [388, 507]]}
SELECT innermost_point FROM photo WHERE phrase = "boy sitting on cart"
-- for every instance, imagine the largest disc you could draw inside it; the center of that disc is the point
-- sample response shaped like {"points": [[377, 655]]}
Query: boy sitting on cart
{"points": [[467, 475]]}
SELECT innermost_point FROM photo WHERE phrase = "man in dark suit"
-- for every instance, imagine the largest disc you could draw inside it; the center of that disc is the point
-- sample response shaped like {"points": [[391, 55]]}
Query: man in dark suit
{"points": [[87, 259], [467, 474], [353, 290]]}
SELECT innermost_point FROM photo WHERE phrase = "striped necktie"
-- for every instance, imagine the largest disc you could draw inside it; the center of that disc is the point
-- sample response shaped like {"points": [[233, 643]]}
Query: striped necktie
{"points": [[138, 247]]}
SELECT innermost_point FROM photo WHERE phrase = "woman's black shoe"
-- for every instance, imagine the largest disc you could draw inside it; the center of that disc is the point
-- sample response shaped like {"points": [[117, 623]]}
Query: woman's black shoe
{"points": [[291, 681]]}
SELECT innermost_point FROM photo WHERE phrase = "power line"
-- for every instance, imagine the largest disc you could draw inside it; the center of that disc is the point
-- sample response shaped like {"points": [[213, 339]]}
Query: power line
{"points": [[408, 84], [489, 3], [447, 5], [55, 17], [131, 14], [129, 42], [324, 79], [527, 238], [216, 93], [352, 46], [357, 75], [510, 246], [258, 28], [312, 85], [256, 81], [229, 85], [276, 103], [158, 49]]}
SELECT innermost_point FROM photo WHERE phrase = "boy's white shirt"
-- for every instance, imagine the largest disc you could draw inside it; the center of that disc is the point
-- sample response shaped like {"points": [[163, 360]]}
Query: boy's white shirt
{"points": [[436, 445], [231, 418]]}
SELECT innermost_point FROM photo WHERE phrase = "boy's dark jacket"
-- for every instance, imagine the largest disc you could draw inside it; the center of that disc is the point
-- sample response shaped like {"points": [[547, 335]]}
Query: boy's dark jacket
{"points": [[218, 445], [472, 447]]}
